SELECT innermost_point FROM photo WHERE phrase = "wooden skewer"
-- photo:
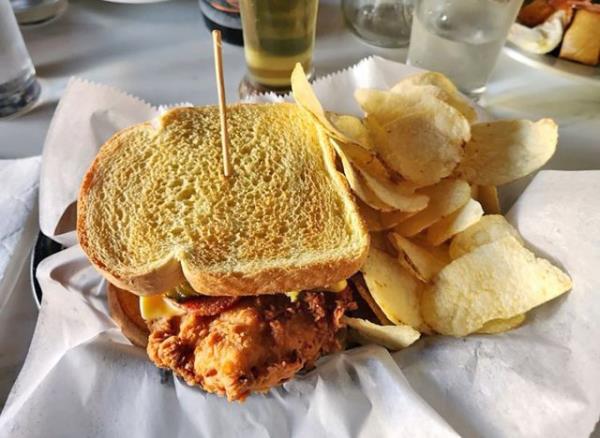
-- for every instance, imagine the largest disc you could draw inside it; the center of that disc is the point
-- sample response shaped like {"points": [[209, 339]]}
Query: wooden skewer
{"points": [[222, 105]]}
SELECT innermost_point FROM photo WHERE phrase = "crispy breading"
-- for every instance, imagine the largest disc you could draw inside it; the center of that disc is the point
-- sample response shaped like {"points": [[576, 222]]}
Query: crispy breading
{"points": [[257, 343]]}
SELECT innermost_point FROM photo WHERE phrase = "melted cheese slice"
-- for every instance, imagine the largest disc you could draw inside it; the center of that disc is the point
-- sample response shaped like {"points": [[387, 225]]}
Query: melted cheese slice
{"points": [[157, 306], [337, 287]]}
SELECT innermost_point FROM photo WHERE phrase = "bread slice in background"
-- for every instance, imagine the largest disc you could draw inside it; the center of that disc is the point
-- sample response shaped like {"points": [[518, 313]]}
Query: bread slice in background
{"points": [[155, 209], [581, 42]]}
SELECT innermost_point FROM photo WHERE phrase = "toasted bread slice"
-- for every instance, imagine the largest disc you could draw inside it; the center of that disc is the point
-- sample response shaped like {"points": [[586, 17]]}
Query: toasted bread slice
{"points": [[155, 209], [124, 308]]}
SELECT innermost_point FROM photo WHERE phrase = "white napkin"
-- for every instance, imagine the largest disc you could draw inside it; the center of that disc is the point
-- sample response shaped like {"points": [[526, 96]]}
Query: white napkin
{"points": [[19, 181], [18, 195]]}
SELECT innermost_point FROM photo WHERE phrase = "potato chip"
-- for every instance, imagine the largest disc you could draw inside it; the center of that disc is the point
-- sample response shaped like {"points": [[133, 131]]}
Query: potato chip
{"points": [[307, 99], [488, 198], [380, 220], [369, 215], [442, 252], [380, 194], [501, 325], [393, 288], [392, 337], [460, 220], [417, 258], [352, 127], [486, 230], [385, 106], [355, 141], [424, 145], [498, 280], [358, 184], [428, 78], [364, 159], [380, 241], [502, 151], [355, 146], [444, 198], [395, 194], [390, 219], [449, 93], [360, 286], [474, 191]]}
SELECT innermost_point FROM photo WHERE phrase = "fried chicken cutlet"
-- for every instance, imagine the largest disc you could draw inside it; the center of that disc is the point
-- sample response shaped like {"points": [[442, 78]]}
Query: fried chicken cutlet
{"points": [[248, 344]]}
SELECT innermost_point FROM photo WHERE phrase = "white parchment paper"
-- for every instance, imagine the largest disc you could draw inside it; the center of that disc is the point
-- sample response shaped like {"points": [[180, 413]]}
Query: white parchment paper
{"points": [[18, 227], [82, 378]]}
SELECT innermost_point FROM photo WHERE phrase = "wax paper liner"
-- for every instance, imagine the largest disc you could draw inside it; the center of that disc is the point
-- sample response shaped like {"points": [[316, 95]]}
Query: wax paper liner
{"points": [[543, 379]]}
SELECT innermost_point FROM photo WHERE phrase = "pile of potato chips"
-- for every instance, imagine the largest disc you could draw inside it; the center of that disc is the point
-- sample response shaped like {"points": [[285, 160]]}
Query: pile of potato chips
{"points": [[424, 170]]}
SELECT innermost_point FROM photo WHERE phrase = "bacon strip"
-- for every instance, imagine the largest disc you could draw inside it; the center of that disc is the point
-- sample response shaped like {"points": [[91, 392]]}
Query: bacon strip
{"points": [[208, 306]]}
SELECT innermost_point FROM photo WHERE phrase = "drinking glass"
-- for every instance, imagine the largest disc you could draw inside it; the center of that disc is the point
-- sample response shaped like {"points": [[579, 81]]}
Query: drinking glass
{"points": [[34, 12], [383, 23], [277, 35], [19, 88], [461, 38]]}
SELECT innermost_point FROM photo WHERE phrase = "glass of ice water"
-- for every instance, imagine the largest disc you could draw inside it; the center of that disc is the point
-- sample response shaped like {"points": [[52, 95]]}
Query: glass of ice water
{"points": [[19, 88], [461, 38], [384, 23]]}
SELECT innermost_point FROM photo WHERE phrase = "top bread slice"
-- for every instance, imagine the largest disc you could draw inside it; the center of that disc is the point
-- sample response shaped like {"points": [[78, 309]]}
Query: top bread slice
{"points": [[155, 210]]}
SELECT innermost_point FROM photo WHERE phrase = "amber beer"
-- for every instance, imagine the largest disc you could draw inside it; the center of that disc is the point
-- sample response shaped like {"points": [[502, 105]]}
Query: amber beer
{"points": [[277, 35]]}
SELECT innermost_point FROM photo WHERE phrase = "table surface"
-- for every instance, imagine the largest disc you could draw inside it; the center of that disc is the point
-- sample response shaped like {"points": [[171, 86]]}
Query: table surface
{"points": [[162, 53]]}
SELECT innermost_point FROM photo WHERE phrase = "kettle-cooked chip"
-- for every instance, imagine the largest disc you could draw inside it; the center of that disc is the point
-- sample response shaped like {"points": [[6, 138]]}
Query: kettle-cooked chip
{"points": [[369, 215], [390, 219], [392, 337], [350, 138], [380, 241], [380, 220], [445, 198], [352, 127], [380, 194], [359, 284], [364, 159], [418, 259], [488, 198], [385, 106], [502, 151], [456, 222], [428, 82], [425, 146], [501, 325], [498, 280], [396, 195], [307, 99], [393, 288], [424, 143], [488, 229], [358, 184]]}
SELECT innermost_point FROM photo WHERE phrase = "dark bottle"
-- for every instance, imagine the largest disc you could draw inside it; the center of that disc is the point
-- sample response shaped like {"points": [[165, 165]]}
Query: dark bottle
{"points": [[223, 15]]}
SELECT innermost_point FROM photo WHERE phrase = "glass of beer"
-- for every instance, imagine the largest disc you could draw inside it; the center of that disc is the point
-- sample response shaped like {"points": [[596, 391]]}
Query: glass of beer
{"points": [[277, 35]]}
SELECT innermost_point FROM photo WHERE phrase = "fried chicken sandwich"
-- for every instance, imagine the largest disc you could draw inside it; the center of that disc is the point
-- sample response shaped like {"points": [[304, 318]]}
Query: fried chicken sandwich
{"points": [[233, 283]]}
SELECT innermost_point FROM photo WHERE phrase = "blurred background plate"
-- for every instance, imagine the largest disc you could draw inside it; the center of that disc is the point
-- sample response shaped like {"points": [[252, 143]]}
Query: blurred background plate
{"points": [[551, 63]]}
